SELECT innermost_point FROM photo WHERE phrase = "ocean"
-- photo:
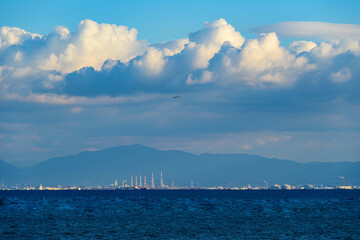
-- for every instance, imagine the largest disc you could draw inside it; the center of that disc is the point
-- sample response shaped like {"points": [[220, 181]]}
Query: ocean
{"points": [[180, 214]]}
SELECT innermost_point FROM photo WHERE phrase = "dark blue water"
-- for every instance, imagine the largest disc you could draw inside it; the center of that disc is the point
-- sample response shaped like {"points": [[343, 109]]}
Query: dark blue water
{"points": [[195, 214]]}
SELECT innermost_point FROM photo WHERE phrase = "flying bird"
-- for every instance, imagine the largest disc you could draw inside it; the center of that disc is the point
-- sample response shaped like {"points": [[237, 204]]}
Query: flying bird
{"points": [[175, 97]]}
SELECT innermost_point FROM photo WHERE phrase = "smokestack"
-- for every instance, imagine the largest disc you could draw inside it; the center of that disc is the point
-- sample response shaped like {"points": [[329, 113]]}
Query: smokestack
{"points": [[132, 181], [140, 181], [161, 180], [152, 180], [145, 181], [136, 185]]}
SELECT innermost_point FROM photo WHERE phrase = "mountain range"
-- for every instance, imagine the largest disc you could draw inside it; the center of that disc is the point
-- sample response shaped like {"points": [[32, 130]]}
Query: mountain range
{"points": [[104, 166]]}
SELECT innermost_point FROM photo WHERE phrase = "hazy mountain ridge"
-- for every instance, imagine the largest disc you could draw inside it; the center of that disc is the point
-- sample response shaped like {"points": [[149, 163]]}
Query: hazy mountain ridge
{"points": [[8, 172], [104, 166]]}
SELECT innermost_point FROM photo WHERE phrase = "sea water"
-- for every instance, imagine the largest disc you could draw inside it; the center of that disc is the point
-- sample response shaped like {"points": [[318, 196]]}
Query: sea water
{"points": [[176, 214]]}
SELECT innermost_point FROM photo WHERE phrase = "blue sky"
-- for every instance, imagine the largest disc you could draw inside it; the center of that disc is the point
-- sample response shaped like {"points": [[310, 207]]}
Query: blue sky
{"points": [[274, 78], [159, 21]]}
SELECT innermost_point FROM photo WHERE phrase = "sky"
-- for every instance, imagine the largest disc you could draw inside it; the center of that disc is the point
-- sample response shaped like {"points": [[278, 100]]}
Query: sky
{"points": [[273, 78]]}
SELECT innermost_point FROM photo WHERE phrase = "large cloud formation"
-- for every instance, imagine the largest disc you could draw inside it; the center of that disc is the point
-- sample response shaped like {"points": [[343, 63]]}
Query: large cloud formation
{"points": [[104, 59]]}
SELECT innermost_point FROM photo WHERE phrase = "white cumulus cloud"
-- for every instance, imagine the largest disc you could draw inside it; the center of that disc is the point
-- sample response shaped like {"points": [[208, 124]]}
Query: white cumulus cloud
{"points": [[13, 35], [108, 60], [260, 60], [62, 51], [151, 63], [217, 33], [301, 46], [171, 48]]}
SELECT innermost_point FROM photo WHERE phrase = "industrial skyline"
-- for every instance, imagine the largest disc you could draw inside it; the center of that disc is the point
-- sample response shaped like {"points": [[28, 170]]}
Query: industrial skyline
{"points": [[171, 186], [143, 184]]}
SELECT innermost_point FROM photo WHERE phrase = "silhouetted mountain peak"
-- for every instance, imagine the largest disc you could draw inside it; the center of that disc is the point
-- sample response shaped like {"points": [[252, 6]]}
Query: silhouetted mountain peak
{"points": [[103, 166]]}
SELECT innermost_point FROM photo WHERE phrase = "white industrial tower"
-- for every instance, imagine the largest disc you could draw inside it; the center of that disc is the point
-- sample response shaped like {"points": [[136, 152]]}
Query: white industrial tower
{"points": [[161, 181], [152, 180]]}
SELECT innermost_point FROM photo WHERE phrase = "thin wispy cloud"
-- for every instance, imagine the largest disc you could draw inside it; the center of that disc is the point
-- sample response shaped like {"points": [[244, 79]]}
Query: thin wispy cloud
{"points": [[321, 30]]}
